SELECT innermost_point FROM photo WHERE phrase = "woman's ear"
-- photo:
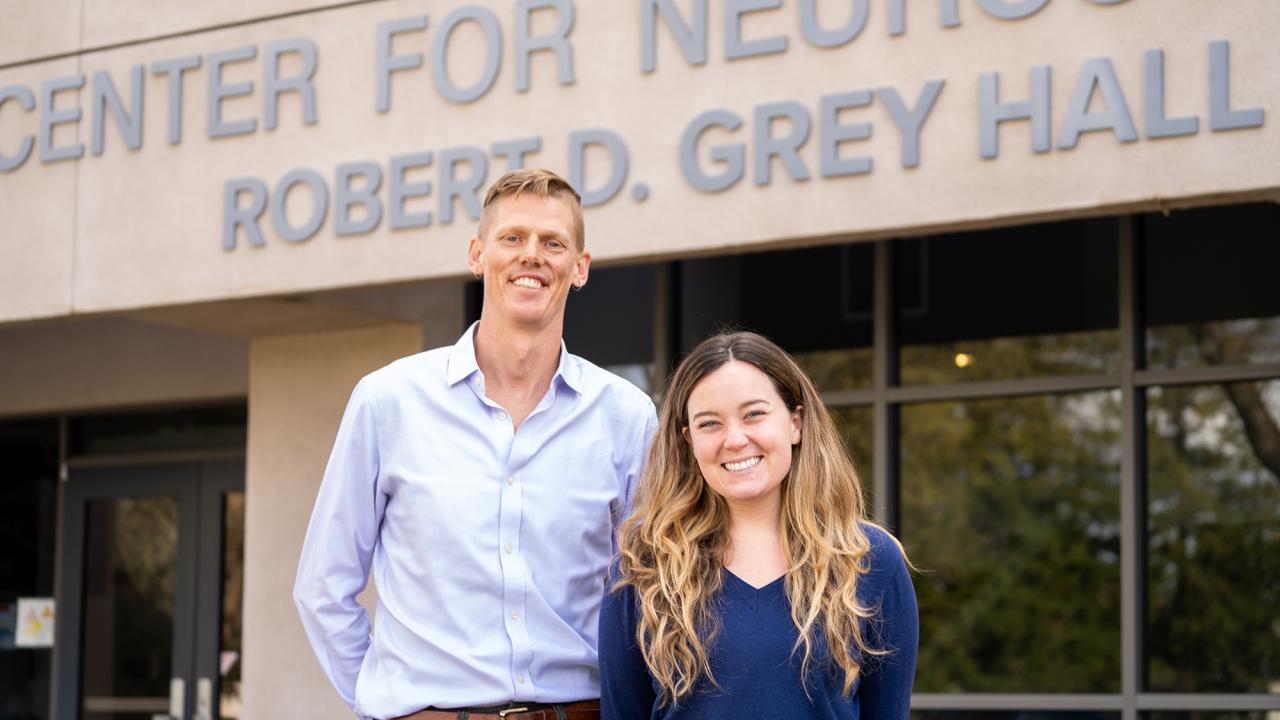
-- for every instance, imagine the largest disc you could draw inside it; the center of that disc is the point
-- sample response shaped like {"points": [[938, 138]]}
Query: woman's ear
{"points": [[685, 432], [796, 416]]}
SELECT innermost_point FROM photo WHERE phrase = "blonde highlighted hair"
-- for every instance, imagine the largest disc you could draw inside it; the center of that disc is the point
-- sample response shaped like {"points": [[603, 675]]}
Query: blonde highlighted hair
{"points": [[673, 545], [538, 182]]}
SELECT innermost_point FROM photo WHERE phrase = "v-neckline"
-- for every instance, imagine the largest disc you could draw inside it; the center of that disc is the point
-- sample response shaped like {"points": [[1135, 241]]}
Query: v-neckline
{"points": [[743, 583]]}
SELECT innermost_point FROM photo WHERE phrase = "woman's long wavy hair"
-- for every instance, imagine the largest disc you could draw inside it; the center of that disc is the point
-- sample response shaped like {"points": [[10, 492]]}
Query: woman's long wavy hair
{"points": [[673, 545]]}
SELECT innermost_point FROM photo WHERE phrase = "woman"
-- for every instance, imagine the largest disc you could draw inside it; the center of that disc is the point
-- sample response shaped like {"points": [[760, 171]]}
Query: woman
{"points": [[749, 583]]}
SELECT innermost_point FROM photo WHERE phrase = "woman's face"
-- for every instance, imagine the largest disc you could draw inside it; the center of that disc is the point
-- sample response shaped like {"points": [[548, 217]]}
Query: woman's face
{"points": [[742, 434]]}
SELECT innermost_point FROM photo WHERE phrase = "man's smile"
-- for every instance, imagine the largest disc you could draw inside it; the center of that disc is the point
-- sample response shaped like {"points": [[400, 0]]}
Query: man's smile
{"points": [[528, 281]]}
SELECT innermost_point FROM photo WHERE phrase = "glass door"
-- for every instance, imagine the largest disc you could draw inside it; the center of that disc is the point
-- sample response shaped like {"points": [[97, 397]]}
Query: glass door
{"points": [[147, 554]]}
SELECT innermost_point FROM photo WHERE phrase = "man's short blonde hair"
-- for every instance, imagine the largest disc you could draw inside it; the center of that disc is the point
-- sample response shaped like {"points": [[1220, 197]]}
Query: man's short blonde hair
{"points": [[539, 182]]}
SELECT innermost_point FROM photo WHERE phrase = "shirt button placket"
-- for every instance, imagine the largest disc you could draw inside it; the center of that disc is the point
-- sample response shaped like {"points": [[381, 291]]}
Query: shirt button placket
{"points": [[514, 582]]}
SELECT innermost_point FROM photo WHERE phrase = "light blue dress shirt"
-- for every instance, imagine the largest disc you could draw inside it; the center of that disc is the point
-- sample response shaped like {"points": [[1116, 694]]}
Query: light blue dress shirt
{"points": [[489, 547]]}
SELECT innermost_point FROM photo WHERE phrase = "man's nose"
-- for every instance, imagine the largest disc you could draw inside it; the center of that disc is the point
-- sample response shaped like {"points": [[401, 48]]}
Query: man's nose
{"points": [[530, 251]]}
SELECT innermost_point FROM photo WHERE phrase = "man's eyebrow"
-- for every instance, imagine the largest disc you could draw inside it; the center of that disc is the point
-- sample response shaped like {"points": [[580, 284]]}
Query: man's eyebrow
{"points": [[740, 407], [504, 229], [524, 230]]}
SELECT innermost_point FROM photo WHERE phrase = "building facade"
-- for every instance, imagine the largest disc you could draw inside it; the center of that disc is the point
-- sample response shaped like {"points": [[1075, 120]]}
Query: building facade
{"points": [[1026, 248]]}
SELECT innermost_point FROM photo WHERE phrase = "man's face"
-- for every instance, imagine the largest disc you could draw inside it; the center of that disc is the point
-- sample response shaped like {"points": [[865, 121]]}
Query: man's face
{"points": [[528, 259]]}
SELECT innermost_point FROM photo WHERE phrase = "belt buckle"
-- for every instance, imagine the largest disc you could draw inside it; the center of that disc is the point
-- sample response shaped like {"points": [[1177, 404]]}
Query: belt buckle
{"points": [[509, 711]]}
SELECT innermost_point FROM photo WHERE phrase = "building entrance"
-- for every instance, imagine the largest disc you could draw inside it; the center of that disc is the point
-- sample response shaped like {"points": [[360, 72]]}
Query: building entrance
{"points": [[150, 591]]}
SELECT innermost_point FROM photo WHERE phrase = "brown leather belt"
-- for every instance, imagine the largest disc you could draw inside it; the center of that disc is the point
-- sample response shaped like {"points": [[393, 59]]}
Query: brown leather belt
{"points": [[581, 710]]}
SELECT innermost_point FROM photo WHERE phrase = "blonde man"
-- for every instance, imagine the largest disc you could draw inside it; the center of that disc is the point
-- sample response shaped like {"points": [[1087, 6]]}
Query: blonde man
{"points": [[482, 484]]}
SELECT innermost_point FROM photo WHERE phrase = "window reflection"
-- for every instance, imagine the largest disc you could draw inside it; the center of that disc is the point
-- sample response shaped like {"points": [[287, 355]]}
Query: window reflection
{"points": [[129, 586], [1214, 538], [610, 322], [1009, 303], [856, 425], [229, 655], [1210, 286], [816, 303], [1010, 507]]}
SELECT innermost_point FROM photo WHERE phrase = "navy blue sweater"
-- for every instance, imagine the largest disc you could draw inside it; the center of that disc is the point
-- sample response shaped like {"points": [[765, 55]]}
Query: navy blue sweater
{"points": [[752, 661]]}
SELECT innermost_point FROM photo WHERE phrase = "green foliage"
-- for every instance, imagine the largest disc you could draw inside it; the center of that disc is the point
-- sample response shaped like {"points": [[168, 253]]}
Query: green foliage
{"points": [[1214, 550], [1011, 507]]}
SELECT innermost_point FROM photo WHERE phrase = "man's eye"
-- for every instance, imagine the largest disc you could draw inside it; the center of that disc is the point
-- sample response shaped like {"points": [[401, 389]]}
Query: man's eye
{"points": [[511, 238], [555, 244]]}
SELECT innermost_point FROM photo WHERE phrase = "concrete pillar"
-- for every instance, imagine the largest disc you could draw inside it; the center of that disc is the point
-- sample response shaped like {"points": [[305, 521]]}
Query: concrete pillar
{"points": [[298, 388]]}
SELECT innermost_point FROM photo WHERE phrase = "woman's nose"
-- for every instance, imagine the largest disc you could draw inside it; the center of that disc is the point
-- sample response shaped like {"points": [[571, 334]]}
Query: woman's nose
{"points": [[735, 437]]}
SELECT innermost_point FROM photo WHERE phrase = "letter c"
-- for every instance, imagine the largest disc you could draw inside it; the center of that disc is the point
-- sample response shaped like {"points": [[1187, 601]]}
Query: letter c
{"points": [[27, 100]]}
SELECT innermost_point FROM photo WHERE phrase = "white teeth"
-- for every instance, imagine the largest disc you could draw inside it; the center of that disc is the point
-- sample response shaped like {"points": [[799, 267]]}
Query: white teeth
{"points": [[526, 282], [743, 465]]}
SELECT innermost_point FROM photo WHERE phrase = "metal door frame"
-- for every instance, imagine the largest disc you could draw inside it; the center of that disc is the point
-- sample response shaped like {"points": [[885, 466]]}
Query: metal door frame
{"points": [[199, 483]]}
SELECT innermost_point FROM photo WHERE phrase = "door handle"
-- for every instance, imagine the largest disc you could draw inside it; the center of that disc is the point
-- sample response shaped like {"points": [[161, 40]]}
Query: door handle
{"points": [[204, 699]]}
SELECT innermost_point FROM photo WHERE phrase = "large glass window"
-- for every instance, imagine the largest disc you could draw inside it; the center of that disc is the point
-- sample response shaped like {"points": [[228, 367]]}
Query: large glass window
{"points": [[1214, 538], [816, 303], [1211, 286], [1010, 507], [610, 321], [856, 425], [108, 433], [1011, 303], [1012, 493]]}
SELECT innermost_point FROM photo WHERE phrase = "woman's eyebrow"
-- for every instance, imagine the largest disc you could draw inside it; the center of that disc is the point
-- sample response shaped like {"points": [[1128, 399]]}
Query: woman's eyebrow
{"points": [[740, 407]]}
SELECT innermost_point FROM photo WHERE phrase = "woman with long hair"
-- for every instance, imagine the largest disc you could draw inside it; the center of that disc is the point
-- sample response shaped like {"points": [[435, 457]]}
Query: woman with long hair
{"points": [[749, 583]]}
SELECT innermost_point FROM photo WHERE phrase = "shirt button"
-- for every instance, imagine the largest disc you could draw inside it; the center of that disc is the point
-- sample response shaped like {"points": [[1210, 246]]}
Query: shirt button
{"points": [[519, 678], [511, 479], [502, 416], [507, 548], [515, 614]]}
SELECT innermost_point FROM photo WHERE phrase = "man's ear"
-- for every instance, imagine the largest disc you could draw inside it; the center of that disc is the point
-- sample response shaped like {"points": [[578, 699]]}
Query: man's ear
{"points": [[474, 249], [582, 268]]}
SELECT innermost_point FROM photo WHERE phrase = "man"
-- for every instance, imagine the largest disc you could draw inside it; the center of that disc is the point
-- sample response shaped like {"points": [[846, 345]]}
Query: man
{"points": [[482, 483]]}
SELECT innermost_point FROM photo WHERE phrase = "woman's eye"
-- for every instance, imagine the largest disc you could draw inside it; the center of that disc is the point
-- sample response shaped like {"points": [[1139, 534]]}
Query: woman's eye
{"points": [[755, 414], [705, 424]]}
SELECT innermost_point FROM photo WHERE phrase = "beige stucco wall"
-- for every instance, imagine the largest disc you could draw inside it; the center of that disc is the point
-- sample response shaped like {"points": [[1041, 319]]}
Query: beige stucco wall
{"points": [[135, 229], [36, 29], [298, 387], [94, 363]]}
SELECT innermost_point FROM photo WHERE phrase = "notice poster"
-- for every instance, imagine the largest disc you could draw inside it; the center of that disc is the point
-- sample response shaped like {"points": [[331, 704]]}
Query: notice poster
{"points": [[35, 622]]}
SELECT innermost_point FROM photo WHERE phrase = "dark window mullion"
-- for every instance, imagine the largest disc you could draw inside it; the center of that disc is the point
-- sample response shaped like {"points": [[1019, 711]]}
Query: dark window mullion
{"points": [[886, 440], [1133, 496]]}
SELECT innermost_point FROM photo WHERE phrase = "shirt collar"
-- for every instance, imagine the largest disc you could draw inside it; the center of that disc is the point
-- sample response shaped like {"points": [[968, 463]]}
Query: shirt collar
{"points": [[462, 362], [462, 358]]}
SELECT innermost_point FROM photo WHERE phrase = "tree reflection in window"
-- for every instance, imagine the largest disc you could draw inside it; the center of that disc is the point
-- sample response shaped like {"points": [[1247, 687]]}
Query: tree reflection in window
{"points": [[1214, 538], [1011, 509]]}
